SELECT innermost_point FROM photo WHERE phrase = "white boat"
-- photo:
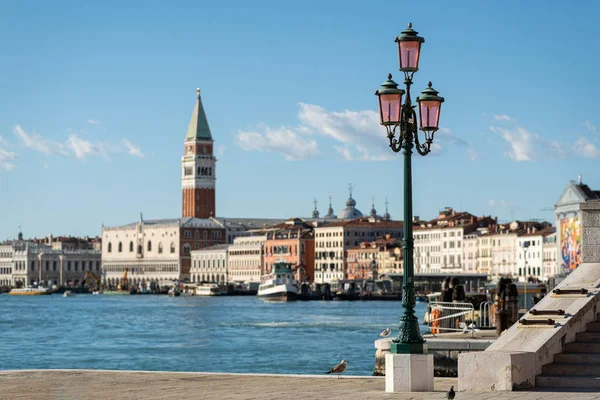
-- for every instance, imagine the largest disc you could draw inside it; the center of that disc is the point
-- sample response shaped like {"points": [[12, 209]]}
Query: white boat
{"points": [[96, 292], [30, 291], [68, 293], [209, 289], [279, 285]]}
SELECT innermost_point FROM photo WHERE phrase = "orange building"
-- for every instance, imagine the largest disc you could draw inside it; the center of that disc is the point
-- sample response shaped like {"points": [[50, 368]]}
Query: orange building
{"points": [[291, 242], [372, 259]]}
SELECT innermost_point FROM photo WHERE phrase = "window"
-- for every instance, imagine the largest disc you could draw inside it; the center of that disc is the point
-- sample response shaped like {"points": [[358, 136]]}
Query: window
{"points": [[140, 249], [172, 247], [109, 247], [32, 265], [120, 247], [97, 266], [68, 265], [131, 247], [54, 266], [205, 235], [197, 235], [149, 245], [160, 248]]}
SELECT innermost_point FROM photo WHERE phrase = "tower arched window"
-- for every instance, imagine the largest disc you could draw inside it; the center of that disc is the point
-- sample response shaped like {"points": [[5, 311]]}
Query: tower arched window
{"points": [[120, 247], [149, 245], [109, 247], [160, 248], [131, 247], [139, 249], [172, 247]]}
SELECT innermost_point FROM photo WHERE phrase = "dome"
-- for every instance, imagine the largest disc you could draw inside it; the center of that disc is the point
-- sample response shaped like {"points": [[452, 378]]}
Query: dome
{"points": [[349, 213], [373, 212], [315, 213], [350, 202], [387, 216]]}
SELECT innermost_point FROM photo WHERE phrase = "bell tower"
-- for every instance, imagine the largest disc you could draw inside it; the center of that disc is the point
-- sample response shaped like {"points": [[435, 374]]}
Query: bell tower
{"points": [[198, 167]]}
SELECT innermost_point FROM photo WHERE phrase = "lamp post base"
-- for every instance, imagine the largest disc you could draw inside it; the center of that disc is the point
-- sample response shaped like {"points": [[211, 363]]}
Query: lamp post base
{"points": [[408, 373], [408, 348]]}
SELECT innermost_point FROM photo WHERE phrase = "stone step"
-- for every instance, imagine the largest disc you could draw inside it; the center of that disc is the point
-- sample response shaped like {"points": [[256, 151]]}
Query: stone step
{"points": [[583, 347], [577, 358], [587, 369], [593, 327], [572, 381], [588, 337]]}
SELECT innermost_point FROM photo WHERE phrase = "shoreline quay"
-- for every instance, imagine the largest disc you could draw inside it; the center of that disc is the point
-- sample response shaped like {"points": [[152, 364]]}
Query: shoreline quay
{"points": [[111, 384]]}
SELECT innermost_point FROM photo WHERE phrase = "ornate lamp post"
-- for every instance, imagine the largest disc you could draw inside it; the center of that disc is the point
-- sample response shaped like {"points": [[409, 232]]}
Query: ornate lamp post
{"points": [[401, 117]]}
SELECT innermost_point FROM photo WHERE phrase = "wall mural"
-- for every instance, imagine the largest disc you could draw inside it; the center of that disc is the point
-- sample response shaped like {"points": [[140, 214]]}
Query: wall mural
{"points": [[570, 242]]}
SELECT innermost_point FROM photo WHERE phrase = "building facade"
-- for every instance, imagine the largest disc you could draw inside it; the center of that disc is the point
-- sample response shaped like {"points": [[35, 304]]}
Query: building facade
{"points": [[334, 238], [210, 265], [25, 262], [371, 260], [569, 223], [155, 250], [245, 259], [550, 264], [291, 242]]}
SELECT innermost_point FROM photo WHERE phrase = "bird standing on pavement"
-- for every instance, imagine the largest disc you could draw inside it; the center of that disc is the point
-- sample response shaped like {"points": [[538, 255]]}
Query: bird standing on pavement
{"points": [[386, 332], [450, 395], [338, 369]]}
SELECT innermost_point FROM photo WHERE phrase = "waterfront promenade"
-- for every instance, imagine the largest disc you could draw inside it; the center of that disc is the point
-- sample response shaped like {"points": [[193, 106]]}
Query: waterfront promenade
{"points": [[90, 384]]}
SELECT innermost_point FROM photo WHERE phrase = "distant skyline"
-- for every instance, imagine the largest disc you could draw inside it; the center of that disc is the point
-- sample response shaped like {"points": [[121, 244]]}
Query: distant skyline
{"points": [[96, 99]]}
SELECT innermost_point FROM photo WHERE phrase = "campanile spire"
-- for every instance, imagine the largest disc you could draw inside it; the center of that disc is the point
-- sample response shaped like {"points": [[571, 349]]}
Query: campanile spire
{"points": [[198, 166]]}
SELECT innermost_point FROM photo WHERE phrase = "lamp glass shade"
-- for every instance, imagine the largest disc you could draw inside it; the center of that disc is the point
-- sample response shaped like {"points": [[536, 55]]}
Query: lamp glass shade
{"points": [[389, 108], [408, 55], [430, 114]]}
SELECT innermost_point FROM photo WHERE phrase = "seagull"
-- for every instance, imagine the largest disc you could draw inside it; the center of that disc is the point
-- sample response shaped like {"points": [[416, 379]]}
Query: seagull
{"points": [[386, 332], [450, 395], [338, 369]]}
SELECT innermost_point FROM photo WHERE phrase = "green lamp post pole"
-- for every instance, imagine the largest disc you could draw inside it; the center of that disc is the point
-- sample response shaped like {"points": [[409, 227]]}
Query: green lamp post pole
{"points": [[401, 117]]}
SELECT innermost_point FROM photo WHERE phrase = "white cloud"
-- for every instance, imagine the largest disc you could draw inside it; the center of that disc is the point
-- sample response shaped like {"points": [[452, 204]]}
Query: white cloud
{"points": [[93, 122], [221, 149], [38, 143], [283, 140], [591, 127], [345, 152], [358, 135], [586, 148], [6, 158], [82, 148], [3, 141], [504, 117], [521, 141], [131, 149], [492, 202], [473, 155]]}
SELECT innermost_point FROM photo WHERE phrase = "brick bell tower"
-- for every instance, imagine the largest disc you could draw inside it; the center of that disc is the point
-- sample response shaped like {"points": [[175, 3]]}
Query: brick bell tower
{"points": [[198, 167]]}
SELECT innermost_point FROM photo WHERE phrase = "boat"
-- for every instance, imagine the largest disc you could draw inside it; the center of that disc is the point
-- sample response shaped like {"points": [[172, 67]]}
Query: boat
{"points": [[68, 293], [209, 289], [174, 292], [97, 292], [279, 285], [30, 291]]}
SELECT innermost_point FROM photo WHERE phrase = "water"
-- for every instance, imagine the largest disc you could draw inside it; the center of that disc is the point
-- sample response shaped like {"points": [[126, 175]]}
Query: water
{"points": [[205, 334]]}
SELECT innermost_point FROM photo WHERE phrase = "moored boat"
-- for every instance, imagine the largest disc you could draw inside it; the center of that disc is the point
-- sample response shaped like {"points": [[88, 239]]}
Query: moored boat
{"points": [[68, 293], [279, 285], [30, 291], [208, 289]]}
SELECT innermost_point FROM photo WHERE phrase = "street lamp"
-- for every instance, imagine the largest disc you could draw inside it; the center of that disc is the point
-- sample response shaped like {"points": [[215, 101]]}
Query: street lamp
{"points": [[396, 115], [525, 246]]}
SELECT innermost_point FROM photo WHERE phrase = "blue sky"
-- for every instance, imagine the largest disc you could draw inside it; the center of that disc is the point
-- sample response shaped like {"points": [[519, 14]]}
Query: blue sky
{"points": [[95, 100]]}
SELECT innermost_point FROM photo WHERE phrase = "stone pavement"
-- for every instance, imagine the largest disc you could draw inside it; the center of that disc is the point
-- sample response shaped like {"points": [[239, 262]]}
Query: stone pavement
{"points": [[91, 384]]}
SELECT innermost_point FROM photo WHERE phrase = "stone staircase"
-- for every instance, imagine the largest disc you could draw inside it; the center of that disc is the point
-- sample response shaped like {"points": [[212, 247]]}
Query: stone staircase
{"points": [[577, 367]]}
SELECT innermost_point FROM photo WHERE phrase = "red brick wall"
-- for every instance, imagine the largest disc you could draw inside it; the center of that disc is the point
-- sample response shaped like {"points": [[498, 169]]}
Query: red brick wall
{"points": [[198, 203]]}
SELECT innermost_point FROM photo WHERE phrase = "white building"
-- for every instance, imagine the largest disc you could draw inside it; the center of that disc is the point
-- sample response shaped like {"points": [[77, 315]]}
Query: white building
{"points": [[210, 264], [550, 266], [245, 259], [470, 241], [23, 262], [530, 255], [155, 250]]}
